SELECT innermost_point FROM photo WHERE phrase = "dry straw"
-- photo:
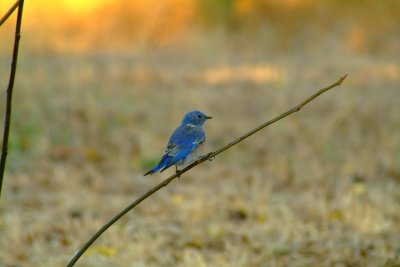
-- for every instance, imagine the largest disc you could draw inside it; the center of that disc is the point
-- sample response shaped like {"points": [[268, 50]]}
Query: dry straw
{"points": [[209, 156]]}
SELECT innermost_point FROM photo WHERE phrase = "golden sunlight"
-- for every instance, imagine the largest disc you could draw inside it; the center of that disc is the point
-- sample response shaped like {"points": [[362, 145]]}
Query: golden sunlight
{"points": [[82, 6]]}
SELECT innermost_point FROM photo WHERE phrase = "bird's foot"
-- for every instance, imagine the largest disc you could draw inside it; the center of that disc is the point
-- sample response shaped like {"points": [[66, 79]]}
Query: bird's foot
{"points": [[177, 173], [208, 156]]}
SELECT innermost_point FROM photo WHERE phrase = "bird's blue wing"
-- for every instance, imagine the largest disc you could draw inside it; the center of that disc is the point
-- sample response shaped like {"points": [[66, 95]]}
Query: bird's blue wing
{"points": [[183, 141]]}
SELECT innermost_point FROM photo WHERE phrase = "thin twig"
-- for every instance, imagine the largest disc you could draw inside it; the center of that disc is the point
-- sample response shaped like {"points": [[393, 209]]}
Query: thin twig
{"points": [[9, 92], [9, 12], [209, 156]]}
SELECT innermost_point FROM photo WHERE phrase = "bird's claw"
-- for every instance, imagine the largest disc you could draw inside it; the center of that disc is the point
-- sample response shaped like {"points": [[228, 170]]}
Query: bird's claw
{"points": [[177, 173], [208, 156]]}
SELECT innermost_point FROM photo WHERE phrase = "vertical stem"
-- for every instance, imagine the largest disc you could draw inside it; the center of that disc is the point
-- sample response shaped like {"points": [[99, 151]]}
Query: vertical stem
{"points": [[9, 93]]}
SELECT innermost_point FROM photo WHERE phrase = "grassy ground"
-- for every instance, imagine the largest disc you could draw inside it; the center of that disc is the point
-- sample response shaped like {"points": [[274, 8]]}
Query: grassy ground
{"points": [[320, 188]]}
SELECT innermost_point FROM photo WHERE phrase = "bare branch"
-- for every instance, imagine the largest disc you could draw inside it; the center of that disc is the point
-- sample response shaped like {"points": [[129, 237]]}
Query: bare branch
{"points": [[10, 91], [9, 12], [209, 156]]}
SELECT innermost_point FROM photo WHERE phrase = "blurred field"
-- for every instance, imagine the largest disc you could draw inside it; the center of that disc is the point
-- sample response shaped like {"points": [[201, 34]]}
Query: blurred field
{"points": [[91, 115]]}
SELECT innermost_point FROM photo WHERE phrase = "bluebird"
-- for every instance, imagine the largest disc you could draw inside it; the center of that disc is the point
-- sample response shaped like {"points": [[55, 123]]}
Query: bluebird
{"points": [[184, 142]]}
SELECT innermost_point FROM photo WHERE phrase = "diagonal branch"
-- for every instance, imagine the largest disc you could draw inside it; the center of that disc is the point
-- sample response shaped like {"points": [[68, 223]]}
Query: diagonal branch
{"points": [[209, 156], [9, 12], [10, 91]]}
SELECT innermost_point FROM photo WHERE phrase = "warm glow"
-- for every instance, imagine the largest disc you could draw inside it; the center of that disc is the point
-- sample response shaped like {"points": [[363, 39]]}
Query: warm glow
{"points": [[83, 6], [80, 26], [117, 25]]}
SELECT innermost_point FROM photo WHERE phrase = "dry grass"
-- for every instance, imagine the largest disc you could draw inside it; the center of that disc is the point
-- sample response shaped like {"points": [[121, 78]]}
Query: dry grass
{"points": [[321, 188]]}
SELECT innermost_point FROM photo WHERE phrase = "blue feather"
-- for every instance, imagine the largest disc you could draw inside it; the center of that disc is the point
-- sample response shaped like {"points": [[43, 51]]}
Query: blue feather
{"points": [[184, 140]]}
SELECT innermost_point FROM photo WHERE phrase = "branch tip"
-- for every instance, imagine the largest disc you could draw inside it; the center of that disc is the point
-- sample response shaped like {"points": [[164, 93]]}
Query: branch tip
{"points": [[343, 78]]}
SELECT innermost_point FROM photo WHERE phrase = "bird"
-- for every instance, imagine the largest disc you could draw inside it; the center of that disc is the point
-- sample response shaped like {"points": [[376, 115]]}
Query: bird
{"points": [[184, 142]]}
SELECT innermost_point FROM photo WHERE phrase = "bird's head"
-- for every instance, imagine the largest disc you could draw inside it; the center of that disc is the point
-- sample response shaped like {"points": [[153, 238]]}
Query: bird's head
{"points": [[195, 117]]}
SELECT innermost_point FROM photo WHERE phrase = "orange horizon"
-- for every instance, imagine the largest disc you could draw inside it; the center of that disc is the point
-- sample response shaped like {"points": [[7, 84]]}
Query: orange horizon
{"points": [[81, 26]]}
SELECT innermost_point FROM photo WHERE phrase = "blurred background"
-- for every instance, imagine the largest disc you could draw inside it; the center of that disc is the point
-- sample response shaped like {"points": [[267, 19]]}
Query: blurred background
{"points": [[101, 85]]}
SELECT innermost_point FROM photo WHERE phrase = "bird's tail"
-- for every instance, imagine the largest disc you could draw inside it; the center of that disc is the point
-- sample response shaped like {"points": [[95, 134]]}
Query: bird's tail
{"points": [[151, 171], [165, 160]]}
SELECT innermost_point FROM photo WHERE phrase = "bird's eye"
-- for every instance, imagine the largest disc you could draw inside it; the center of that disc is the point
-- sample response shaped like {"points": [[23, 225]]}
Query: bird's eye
{"points": [[199, 116]]}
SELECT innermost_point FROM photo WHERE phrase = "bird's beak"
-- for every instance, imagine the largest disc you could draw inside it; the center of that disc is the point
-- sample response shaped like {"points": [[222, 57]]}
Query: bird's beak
{"points": [[208, 117]]}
